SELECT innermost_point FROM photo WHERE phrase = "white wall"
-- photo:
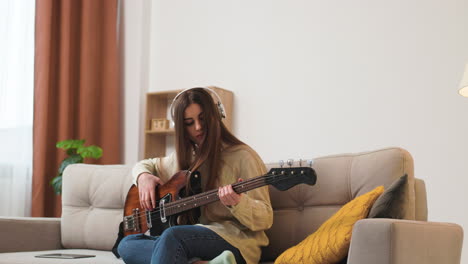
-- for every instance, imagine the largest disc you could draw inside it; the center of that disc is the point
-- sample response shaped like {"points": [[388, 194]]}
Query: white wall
{"points": [[313, 78], [134, 48]]}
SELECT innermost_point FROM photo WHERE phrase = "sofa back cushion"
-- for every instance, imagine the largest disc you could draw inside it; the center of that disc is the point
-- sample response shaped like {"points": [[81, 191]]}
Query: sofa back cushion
{"points": [[93, 198], [300, 210]]}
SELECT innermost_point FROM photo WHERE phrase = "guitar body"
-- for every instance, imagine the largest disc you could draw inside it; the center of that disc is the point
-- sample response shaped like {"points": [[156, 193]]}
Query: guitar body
{"points": [[137, 220]]}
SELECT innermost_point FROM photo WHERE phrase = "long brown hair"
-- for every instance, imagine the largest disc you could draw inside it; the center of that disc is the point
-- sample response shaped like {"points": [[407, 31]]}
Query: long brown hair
{"points": [[217, 136]]}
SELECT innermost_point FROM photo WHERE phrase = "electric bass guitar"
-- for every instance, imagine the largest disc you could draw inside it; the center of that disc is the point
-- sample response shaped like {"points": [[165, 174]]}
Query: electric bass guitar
{"points": [[172, 203]]}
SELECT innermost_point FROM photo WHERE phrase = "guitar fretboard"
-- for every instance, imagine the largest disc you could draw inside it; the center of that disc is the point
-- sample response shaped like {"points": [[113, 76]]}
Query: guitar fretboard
{"points": [[208, 197]]}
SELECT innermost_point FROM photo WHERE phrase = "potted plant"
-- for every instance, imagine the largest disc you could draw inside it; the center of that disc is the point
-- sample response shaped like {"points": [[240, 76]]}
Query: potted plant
{"points": [[76, 154]]}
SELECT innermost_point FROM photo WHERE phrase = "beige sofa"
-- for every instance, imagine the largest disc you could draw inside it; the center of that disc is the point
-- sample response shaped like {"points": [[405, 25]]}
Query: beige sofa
{"points": [[94, 195]]}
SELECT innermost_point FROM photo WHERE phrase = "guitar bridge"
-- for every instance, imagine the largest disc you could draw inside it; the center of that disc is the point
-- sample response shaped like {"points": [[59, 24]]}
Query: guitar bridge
{"points": [[131, 223]]}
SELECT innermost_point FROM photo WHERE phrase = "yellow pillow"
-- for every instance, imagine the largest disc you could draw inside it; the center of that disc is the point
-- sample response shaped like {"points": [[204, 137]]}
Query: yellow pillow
{"points": [[330, 243]]}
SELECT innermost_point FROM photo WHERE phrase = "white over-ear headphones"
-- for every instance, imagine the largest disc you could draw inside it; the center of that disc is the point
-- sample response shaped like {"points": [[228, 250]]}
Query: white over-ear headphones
{"points": [[219, 104]]}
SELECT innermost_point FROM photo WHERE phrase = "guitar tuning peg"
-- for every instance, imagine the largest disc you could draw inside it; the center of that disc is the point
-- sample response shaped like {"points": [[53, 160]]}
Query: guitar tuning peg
{"points": [[310, 162], [290, 162], [281, 163]]}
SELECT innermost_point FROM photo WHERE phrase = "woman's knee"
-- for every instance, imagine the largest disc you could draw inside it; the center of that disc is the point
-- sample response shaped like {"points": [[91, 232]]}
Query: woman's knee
{"points": [[172, 234], [128, 245], [176, 232], [176, 236]]}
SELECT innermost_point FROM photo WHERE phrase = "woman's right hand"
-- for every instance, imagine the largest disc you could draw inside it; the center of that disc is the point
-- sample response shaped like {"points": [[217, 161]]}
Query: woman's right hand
{"points": [[147, 190]]}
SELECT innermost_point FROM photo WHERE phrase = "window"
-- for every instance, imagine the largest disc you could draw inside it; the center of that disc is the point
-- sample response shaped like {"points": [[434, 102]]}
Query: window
{"points": [[16, 105]]}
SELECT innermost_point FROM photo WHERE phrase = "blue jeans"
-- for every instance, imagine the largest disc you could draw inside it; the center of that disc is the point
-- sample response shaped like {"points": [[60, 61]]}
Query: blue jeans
{"points": [[177, 244]]}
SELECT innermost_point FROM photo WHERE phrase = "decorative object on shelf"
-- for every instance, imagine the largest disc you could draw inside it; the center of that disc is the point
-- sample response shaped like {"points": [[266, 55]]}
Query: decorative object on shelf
{"points": [[159, 124], [76, 153], [464, 83]]}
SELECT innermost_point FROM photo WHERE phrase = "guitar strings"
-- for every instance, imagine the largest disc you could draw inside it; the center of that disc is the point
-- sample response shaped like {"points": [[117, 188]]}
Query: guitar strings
{"points": [[255, 183]]}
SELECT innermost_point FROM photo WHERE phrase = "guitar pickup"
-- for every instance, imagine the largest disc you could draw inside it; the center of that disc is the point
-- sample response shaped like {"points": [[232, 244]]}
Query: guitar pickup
{"points": [[131, 222], [149, 222]]}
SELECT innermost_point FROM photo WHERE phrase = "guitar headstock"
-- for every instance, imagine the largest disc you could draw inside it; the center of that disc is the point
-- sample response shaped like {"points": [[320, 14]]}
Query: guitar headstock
{"points": [[285, 178]]}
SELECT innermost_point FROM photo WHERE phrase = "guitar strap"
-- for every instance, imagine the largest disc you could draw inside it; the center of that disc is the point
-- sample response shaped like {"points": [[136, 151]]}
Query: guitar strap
{"points": [[120, 236]]}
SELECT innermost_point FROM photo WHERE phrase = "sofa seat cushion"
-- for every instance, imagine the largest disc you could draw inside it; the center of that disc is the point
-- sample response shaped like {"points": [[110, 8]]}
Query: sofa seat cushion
{"points": [[102, 257]]}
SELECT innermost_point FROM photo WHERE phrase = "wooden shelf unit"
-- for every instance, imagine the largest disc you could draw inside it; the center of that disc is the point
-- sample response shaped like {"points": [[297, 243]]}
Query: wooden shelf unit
{"points": [[157, 106]]}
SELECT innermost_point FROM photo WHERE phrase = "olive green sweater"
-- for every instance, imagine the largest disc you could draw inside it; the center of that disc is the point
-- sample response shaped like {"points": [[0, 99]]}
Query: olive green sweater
{"points": [[241, 225]]}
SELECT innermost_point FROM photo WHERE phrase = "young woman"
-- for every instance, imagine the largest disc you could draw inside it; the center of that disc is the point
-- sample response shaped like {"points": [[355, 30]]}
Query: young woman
{"points": [[236, 223]]}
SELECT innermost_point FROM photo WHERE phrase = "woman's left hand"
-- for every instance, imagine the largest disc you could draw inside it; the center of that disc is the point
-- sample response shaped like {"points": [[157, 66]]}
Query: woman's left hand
{"points": [[228, 196]]}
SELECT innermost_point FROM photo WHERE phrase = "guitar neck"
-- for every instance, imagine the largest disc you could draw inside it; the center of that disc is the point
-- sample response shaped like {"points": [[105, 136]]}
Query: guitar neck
{"points": [[211, 196]]}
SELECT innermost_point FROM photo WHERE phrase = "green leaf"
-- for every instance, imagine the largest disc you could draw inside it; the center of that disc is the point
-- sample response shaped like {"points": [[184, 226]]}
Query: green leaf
{"points": [[70, 143], [76, 153], [57, 184], [90, 152], [75, 158]]}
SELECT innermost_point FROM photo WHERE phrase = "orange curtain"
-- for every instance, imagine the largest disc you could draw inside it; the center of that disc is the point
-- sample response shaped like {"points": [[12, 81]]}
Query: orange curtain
{"points": [[76, 88]]}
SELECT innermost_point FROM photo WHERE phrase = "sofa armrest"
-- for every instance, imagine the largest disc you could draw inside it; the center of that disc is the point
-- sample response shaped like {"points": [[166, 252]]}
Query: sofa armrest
{"points": [[390, 241], [29, 234]]}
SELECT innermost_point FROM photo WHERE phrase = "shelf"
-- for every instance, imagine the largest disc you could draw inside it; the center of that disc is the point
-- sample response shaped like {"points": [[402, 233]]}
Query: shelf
{"points": [[157, 107], [165, 131]]}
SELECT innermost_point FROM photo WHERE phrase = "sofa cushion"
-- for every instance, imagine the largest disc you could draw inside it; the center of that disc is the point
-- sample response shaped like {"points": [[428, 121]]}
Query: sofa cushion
{"points": [[391, 204], [383, 167], [330, 243], [93, 198]]}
